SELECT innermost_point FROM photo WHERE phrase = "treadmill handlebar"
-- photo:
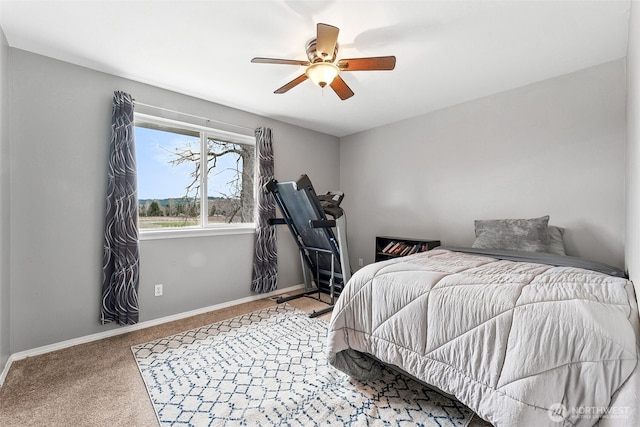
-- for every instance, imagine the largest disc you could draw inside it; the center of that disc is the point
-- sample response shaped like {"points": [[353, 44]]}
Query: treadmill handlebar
{"points": [[270, 186], [276, 221], [322, 223]]}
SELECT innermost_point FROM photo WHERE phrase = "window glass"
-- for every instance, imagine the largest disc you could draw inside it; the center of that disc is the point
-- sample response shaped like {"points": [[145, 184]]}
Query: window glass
{"points": [[171, 187], [230, 181]]}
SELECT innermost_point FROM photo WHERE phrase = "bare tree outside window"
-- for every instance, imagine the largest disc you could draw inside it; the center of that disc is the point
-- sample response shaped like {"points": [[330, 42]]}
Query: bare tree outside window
{"points": [[229, 177]]}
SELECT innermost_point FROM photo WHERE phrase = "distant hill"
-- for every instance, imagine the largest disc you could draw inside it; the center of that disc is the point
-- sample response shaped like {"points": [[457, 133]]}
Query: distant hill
{"points": [[165, 202]]}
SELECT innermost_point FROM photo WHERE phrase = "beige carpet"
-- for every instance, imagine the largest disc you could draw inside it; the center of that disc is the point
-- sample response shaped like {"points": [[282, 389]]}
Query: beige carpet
{"points": [[98, 383]]}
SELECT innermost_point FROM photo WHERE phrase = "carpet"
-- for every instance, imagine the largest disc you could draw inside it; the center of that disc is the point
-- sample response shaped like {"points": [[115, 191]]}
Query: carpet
{"points": [[270, 368]]}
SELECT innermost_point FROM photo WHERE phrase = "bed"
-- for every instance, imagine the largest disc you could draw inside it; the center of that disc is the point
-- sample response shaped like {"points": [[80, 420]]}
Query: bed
{"points": [[523, 338]]}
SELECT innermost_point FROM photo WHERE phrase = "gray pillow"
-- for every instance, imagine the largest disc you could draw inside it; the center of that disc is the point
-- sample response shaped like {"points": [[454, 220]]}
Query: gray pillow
{"points": [[556, 240], [529, 235]]}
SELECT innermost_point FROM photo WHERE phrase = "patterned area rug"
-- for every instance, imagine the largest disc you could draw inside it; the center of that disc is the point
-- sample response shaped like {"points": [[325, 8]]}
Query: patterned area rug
{"points": [[269, 368]]}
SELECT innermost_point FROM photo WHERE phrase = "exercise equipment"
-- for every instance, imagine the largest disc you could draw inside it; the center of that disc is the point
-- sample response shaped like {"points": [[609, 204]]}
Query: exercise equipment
{"points": [[323, 253]]}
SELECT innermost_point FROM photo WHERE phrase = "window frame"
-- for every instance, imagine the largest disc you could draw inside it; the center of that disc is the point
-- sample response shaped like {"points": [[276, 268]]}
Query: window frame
{"points": [[204, 228]]}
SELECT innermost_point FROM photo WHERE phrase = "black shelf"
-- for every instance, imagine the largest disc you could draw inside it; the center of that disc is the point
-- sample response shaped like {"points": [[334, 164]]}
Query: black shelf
{"points": [[388, 247]]}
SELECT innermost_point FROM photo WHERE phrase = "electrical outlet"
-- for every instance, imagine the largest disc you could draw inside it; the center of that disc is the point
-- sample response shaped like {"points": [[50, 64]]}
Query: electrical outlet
{"points": [[360, 262], [158, 290]]}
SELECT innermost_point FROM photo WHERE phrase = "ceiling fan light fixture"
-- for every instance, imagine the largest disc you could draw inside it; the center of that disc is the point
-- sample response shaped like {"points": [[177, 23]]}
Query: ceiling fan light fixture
{"points": [[322, 73]]}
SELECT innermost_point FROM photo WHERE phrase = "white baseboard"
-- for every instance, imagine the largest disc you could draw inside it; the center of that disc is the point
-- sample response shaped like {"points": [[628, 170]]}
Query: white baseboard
{"points": [[125, 329]]}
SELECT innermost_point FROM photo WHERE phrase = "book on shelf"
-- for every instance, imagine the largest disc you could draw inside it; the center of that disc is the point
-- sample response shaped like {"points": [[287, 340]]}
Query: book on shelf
{"points": [[403, 248], [386, 248]]}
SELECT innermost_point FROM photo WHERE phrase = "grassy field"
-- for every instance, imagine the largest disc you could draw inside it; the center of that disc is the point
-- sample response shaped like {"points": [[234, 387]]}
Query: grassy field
{"points": [[148, 222]]}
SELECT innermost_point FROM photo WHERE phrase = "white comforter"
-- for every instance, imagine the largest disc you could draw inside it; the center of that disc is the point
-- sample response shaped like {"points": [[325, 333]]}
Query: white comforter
{"points": [[521, 344]]}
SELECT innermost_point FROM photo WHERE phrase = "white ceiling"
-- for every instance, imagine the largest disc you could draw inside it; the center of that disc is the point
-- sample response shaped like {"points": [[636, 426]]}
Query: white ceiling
{"points": [[447, 52]]}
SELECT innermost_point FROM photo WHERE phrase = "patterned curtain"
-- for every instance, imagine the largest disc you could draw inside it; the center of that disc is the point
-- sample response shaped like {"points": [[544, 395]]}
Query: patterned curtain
{"points": [[121, 262], [265, 261]]}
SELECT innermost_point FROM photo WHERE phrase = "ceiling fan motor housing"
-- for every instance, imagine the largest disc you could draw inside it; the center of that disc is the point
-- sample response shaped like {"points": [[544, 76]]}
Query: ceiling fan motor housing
{"points": [[315, 56]]}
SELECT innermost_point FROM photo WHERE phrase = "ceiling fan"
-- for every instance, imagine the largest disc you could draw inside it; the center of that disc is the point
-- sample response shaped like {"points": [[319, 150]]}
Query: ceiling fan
{"points": [[323, 67]]}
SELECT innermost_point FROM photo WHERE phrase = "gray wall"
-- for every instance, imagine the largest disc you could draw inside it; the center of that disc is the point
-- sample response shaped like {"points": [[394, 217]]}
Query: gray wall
{"points": [[5, 105], [59, 141], [555, 147], [632, 246]]}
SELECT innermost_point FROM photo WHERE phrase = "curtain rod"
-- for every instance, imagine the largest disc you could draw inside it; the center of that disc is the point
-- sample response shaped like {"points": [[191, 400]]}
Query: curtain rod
{"points": [[194, 116]]}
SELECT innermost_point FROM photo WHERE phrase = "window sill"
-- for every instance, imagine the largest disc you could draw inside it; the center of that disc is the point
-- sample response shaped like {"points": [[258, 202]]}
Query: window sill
{"points": [[183, 233]]}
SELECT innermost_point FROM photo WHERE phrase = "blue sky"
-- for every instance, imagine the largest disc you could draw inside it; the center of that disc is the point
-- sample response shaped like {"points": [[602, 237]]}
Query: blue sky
{"points": [[157, 179]]}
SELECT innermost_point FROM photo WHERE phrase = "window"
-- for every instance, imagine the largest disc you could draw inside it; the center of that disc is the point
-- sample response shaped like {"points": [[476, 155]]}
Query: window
{"points": [[173, 191]]}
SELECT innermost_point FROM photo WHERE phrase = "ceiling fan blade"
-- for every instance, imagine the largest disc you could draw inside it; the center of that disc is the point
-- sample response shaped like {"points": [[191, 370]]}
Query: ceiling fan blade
{"points": [[279, 61], [293, 83], [341, 89], [368, 64], [326, 39]]}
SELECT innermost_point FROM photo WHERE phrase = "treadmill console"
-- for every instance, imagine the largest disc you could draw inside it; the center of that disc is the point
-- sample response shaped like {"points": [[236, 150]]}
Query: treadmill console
{"points": [[330, 202]]}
